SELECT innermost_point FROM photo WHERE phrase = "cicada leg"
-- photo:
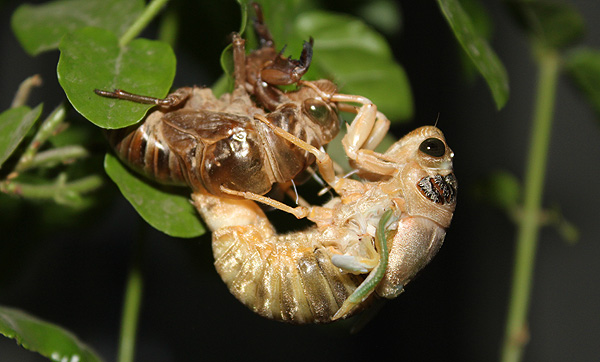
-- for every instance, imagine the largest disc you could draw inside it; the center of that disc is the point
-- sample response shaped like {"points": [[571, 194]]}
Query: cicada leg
{"points": [[366, 288], [365, 132], [370, 126], [171, 100], [239, 59], [324, 162], [298, 211]]}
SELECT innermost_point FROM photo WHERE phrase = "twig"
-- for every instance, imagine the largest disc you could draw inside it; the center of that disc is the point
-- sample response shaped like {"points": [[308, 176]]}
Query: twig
{"points": [[24, 89], [47, 129], [151, 10], [517, 335], [131, 303], [53, 190]]}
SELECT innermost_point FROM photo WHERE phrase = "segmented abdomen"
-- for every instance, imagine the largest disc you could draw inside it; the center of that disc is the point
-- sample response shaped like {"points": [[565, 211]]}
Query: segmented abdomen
{"points": [[281, 277], [143, 148]]}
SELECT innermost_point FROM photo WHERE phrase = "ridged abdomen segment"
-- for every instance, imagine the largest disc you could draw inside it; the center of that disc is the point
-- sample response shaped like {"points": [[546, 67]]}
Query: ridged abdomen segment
{"points": [[143, 149], [282, 277]]}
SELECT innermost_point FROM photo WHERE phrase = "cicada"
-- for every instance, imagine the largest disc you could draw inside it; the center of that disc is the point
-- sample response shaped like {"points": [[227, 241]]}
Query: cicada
{"points": [[368, 242]]}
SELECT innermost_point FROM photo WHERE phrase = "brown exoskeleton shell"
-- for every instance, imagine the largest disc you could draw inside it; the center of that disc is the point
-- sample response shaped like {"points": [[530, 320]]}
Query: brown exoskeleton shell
{"points": [[222, 145], [227, 146], [207, 145]]}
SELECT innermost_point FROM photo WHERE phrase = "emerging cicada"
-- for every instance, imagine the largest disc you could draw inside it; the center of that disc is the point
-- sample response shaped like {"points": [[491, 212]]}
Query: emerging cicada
{"points": [[225, 146], [375, 236]]}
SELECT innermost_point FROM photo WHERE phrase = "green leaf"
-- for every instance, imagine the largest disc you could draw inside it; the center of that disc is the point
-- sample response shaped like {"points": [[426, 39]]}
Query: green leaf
{"points": [[40, 27], [14, 125], [554, 24], [358, 59], [170, 213], [478, 49], [91, 58], [47, 339], [482, 25], [583, 65]]}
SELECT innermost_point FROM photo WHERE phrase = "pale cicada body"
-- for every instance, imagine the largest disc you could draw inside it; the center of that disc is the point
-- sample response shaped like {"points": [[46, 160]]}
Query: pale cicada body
{"points": [[371, 240], [284, 277]]}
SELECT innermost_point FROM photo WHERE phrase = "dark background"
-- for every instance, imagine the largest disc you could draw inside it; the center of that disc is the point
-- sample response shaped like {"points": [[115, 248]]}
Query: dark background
{"points": [[74, 276]]}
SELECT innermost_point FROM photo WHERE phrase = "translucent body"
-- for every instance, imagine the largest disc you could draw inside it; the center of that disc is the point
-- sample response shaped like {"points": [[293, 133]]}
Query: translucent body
{"points": [[294, 277]]}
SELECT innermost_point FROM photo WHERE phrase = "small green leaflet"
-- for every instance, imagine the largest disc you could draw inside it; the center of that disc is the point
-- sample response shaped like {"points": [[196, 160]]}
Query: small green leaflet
{"points": [[478, 49], [168, 212], [14, 125], [91, 58], [47, 339]]}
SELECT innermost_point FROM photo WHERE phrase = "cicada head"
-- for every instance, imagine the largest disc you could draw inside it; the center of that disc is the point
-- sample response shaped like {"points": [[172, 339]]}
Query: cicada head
{"points": [[426, 182]]}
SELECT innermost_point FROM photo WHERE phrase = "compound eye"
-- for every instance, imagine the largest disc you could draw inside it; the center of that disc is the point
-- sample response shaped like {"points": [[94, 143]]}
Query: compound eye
{"points": [[433, 147], [318, 111]]}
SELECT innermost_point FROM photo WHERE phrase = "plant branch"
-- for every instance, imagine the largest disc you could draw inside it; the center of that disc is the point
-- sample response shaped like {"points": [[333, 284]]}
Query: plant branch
{"points": [[516, 334], [168, 28], [47, 129], [142, 21], [131, 304], [54, 156], [25, 88], [54, 190]]}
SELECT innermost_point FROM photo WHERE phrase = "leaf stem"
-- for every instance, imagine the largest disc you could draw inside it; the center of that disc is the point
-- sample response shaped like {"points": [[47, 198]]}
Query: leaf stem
{"points": [[142, 21], [169, 27], [131, 303], [24, 90], [53, 190], [56, 155], [516, 334], [47, 129]]}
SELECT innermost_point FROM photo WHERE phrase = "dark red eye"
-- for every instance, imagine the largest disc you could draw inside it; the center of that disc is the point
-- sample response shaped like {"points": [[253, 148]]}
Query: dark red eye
{"points": [[433, 147]]}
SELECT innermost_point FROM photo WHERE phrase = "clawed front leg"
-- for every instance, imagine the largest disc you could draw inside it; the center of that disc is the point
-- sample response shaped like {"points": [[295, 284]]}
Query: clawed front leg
{"points": [[368, 127], [365, 133]]}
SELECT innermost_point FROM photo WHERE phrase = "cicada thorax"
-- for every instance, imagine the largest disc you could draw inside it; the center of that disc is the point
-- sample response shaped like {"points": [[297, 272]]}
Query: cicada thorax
{"points": [[217, 149], [282, 277], [243, 154]]}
